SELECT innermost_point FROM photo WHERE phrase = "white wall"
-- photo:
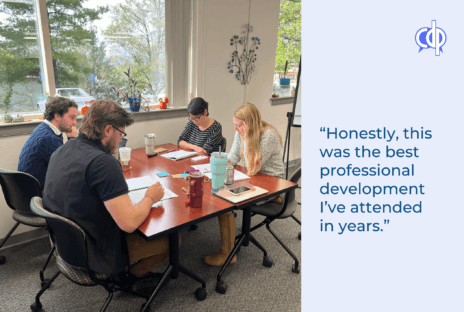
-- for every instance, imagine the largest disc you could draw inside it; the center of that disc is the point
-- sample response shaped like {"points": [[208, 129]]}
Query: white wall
{"points": [[224, 93]]}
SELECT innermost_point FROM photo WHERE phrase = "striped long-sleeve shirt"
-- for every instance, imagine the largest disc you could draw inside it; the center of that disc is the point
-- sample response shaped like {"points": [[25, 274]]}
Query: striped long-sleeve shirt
{"points": [[208, 139]]}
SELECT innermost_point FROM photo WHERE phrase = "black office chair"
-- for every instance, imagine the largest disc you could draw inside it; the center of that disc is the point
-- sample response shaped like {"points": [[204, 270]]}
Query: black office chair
{"points": [[296, 219], [123, 142], [223, 144], [273, 211], [72, 258], [18, 189]]}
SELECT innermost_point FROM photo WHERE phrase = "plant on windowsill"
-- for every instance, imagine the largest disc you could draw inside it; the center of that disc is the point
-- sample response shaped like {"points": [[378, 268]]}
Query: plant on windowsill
{"points": [[7, 118], [6, 105], [118, 96], [134, 96]]}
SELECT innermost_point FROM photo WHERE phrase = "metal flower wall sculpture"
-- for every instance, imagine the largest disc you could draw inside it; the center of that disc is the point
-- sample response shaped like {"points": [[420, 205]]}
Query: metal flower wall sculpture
{"points": [[244, 65]]}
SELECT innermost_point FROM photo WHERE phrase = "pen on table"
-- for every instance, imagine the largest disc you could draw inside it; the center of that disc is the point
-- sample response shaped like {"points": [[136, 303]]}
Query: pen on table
{"points": [[187, 171], [152, 155]]}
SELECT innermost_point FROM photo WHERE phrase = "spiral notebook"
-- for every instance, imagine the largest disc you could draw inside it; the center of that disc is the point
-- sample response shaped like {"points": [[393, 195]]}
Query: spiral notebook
{"points": [[224, 193], [180, 154], [138, 187]]}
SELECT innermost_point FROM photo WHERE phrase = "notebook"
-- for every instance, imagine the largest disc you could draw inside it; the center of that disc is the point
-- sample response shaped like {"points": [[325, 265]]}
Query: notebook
{"points": [[206, 170], [224, 192], [180, 154], [138, 187]]}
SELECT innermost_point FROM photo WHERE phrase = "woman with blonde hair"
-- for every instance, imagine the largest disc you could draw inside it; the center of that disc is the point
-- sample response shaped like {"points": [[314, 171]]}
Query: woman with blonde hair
{"points": [[260, 145]]}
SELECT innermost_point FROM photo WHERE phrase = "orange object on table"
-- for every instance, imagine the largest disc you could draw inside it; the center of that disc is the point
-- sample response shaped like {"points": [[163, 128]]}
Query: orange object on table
{"points": [[166, 100]]}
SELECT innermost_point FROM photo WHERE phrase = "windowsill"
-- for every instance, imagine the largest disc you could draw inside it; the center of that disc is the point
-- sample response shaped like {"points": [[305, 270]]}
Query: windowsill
{"points": [[282, 100], [26, 127]]}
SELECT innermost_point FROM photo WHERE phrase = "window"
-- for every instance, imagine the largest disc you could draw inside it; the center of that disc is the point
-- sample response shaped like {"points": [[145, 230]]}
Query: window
{"points": [[106, 44], [288, 47], [20, 83], [92, 46]]}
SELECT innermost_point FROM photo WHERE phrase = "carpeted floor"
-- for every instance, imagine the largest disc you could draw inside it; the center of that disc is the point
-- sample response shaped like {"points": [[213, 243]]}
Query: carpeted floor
{"points": [[251, 286]]}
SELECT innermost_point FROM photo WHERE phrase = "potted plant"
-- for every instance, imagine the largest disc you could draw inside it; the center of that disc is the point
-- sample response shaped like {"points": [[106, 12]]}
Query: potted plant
{"points": [[134, 96], [7, 118], [285, 82], [6, 105]]}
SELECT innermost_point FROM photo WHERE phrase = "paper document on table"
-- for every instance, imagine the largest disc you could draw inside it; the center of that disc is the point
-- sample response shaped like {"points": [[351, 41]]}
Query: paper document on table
{"points": [[180, 154], [138, 187], [199, 158], [140, 183], [206, 170], [203, 168]]}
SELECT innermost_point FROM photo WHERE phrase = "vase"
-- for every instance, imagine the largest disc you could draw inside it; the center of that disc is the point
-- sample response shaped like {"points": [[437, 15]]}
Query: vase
{"points": [[285, 82], [134, 104], [18, 118], [7, 118]]}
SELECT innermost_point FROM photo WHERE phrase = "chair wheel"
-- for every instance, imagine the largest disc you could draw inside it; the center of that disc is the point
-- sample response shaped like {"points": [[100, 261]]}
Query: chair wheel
{"points": [[36, 307], [201, 294], [295, 269], [2, 260], [221, 287], [193, 227], [299, 236], [267, 262]]}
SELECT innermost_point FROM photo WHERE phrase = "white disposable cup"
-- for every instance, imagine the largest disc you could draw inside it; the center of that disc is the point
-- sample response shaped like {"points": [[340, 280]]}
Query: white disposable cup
{"points": [[125, 154]]}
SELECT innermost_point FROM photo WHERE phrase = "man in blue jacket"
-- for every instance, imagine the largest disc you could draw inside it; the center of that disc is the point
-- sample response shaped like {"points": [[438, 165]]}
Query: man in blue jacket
{"points": [[60, 116]]}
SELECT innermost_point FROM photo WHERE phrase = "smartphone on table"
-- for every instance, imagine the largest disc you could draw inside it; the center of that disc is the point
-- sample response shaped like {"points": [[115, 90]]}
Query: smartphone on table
{"points": [[239, 190]]}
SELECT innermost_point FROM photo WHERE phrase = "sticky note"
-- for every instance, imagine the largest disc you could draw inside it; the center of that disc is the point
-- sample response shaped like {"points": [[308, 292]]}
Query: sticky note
{"points": [[162, 174], [184, 175]]}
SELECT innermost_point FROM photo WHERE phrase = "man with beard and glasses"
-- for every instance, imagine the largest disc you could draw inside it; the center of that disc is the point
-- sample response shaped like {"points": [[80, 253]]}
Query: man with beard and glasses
{"points": [[85, 184], [60, 116]]}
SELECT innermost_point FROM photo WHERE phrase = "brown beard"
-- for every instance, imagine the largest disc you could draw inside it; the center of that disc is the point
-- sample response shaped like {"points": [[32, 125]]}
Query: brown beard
{"points": [[63, 128], [110, 146]]}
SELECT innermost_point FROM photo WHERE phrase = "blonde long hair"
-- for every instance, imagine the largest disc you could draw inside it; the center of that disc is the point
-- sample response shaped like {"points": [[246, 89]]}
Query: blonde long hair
{"points": [[255, 129]]}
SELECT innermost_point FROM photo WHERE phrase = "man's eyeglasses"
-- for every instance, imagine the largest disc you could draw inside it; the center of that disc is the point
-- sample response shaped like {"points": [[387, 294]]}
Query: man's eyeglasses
{"points": [[195, 118], [123, 134]]}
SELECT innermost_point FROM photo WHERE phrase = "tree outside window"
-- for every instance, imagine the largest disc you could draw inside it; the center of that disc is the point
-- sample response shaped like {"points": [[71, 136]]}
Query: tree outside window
{"points": [[288, 45], [103, 39]]}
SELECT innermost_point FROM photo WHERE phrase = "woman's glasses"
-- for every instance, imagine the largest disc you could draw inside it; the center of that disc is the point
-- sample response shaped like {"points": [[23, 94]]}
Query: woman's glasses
{"points": [[195, 118]]}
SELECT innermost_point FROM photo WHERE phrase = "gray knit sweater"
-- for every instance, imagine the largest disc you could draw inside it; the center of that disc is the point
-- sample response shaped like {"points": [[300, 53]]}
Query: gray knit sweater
{"points": [[269, 143]]}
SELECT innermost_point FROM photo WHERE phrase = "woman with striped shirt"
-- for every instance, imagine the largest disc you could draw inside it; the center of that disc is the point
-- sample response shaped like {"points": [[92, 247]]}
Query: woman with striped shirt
{"points": [[202, 134]]}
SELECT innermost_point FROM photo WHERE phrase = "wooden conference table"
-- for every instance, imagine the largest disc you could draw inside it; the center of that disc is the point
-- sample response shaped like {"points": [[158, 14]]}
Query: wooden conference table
{"points": [[175, 215]]}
